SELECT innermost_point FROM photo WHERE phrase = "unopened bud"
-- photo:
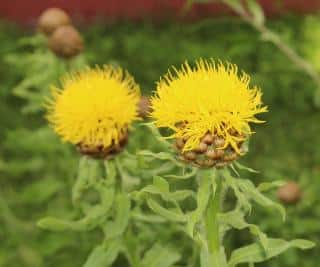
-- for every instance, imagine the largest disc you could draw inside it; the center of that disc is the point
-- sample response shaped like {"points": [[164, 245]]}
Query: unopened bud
{"points": [[144, 106], [290, 193], [66, 42], [51, 19]]}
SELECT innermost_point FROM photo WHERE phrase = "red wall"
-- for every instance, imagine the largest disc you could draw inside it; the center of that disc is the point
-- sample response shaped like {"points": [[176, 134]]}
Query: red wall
{"points": [[27, 11]]}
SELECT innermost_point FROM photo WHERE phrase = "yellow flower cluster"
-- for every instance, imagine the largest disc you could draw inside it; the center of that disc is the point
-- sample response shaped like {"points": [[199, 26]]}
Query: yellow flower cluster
{"points": [[94, 107], [209, 98]]}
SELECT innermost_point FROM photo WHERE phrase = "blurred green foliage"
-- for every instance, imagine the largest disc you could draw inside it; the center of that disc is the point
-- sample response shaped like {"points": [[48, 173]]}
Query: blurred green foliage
{"points": [[37, 170]]}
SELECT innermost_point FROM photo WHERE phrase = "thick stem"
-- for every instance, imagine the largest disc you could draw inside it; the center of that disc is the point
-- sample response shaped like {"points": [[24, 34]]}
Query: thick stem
{"points": [[212, 224]]}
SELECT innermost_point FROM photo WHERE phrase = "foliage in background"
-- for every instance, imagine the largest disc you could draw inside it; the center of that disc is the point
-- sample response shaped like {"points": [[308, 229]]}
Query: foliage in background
{"points": [[285, 149]]}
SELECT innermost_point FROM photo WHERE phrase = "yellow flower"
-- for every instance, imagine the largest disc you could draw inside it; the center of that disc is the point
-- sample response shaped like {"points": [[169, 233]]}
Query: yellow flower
{"points": [[94, 107], [209, 98]]}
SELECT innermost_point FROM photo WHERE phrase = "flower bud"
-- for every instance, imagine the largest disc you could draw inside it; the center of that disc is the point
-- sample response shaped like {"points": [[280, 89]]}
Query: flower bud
{"points": [[210, 151], [144, 106], [51, 19], [290, 193], [66, 42]]}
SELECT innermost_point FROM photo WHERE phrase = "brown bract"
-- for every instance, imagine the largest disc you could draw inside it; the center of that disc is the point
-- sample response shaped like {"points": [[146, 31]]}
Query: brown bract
{"points": [[210, 152], [101, 152], [290, 193], [66, 42], [51, 19]]}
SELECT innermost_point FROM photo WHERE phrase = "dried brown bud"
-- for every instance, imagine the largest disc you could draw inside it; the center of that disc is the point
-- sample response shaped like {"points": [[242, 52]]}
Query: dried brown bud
{"points": [[144, 106], [66, 42], [290, 193], [51, 19]]}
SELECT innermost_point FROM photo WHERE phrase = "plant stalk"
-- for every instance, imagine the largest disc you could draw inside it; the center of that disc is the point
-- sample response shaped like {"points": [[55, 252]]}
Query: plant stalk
{"points": [[274, 38], [212, 224]]}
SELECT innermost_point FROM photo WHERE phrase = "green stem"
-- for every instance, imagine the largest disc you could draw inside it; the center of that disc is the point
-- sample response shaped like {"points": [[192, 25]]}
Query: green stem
{"points": [[212, 224], [274, 38]]}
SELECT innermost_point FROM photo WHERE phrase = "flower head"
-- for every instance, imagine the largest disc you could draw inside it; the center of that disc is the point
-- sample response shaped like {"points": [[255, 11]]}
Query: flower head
{"points": [[211, 99], [94, 107]]}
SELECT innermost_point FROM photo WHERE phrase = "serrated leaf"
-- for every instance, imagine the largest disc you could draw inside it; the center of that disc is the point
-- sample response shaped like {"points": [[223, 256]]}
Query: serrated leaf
{"points": [[161, 156], [268, 186], [159, 256], [95, 216], [252, 192], [118, 226], [166, 213], [104, 255], [178, 195], [255, 253], [243, 201]]}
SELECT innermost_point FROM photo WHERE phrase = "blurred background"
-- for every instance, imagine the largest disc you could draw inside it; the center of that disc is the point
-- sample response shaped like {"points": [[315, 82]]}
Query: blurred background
{"points": [[276, 41]]}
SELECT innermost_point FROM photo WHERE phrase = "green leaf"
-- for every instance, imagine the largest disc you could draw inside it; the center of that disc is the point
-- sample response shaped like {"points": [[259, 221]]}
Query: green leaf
{"points": [[118, 226], [252, 192], [58, 225], [110, 170], [242, 167], [166, 213], [95, 216], [161, 190], [202, 201], [150, 218], [235, 219], [87, 174], [257, 11], [192, 173], [128, 180], [155, 132], [243, 201], [268, 186], [161, 184], [161, 156], [159, 256], [104, 255], [40, 191], [255, 253], [106, 194]]}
